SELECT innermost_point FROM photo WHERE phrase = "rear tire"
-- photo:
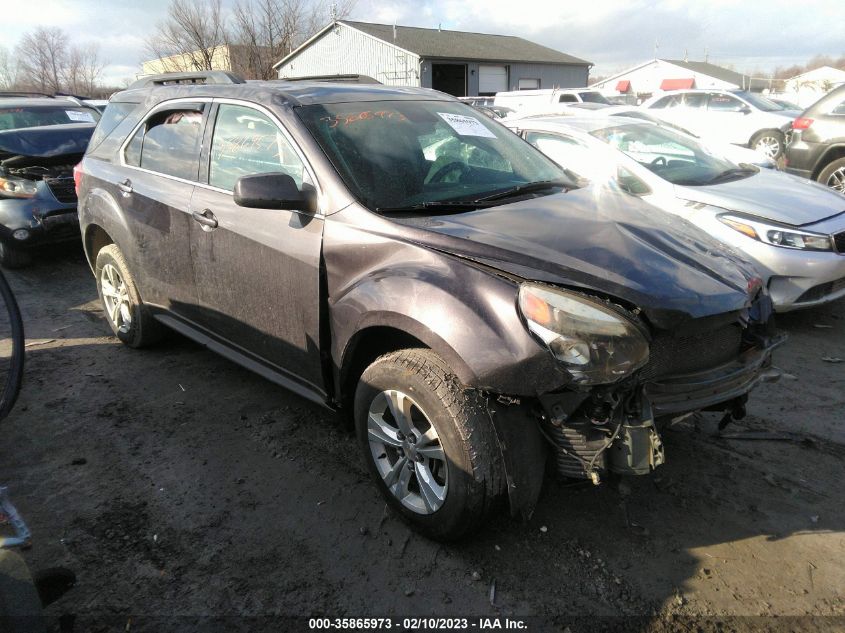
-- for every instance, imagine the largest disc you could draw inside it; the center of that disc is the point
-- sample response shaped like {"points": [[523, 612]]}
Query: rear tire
{"points": [[451, 474], [769, 142], [11, 257], [128, 317], [833, 175]]}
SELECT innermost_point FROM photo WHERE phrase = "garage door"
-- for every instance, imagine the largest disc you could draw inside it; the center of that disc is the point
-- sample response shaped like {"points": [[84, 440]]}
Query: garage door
{"points": [[492, 79]]}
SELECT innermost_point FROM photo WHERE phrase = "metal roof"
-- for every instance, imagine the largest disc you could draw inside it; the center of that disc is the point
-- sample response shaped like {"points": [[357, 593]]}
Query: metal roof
{"points": [[444, 44], [717, 72]]}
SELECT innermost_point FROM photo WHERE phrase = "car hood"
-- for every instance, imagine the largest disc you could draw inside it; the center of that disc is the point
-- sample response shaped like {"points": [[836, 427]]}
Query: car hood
{"points": [[48, 141], [604, 240], [770, 195]]}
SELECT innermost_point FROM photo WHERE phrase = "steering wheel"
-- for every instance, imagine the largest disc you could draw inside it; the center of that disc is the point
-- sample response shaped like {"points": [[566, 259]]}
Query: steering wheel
{"points": [[447, 169], [660, 160]]}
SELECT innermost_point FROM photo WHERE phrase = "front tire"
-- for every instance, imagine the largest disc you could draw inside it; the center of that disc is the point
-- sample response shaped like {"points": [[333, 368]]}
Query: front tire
{"points": [[768, 142], [13, 257], [833, 175], [428, 442], [128, 317]]}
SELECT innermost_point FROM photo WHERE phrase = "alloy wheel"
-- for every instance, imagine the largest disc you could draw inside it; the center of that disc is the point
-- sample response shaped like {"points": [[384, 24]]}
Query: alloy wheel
{"points": [[768, 145], [836, 180], [407, 452], [116, 298]]}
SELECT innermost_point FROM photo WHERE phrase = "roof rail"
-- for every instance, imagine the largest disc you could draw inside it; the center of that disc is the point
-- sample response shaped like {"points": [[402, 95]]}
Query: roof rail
{"points": [[203, 77], [356, 79], [16, 93]]}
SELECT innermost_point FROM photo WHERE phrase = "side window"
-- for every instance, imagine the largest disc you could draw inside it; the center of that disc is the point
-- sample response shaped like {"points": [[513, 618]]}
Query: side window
{"points": [[566, 152], [567, 99], [720, 102], [168, 143], [840, 109], [695, 100], [672, 101], [246, 142]]}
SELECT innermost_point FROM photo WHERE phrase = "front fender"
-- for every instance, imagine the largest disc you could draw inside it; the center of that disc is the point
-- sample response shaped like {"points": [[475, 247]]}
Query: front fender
{"points": [[464, 312]]}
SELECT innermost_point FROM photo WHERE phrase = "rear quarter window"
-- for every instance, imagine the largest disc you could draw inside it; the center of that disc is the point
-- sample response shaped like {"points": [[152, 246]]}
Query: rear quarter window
{"points": [[114, 114]]}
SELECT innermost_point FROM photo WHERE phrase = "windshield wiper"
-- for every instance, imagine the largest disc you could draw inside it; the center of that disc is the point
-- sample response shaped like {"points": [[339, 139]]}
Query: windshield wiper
{"points": [[528, 187], [467, 205], [730, 173]]}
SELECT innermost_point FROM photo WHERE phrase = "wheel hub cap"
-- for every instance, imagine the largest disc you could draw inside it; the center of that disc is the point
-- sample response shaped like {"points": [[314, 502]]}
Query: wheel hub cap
{"points": [[116, 298], [407, 452]]}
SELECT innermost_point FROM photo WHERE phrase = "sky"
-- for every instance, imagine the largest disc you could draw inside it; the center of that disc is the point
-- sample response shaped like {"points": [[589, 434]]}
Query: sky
{"points": [[613, 34]]}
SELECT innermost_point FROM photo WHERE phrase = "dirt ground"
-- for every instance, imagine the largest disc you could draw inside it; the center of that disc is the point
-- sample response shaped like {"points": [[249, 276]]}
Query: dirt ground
{"points": [[175, 483]]}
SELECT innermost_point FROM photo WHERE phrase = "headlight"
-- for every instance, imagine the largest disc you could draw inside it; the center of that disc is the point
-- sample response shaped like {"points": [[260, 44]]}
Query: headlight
{"points": [[777, 235], [17, 187], [596, 344]]}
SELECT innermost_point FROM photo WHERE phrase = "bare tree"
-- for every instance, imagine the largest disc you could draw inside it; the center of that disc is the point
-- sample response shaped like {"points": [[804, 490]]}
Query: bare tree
{"points": [[82, 69], [8, 70], [191, 36], [42, 55], [264, 31]]}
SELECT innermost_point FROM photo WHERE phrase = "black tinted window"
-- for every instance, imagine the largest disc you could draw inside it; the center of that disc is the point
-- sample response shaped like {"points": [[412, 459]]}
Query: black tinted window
{"points": [[567, 99], [168, 143]]}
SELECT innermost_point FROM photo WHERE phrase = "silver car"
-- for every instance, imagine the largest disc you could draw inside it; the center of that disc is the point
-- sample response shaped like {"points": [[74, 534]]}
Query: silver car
{"points": [[792, 229]]}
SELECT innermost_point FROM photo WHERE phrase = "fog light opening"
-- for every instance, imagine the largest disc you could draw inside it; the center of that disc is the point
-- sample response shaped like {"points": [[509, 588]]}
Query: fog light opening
{"points": [[21, 234]]}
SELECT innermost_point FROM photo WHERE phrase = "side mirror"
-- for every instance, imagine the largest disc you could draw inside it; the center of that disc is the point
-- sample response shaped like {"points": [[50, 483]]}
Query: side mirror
{"points": [[274, 190], [745, 109]]}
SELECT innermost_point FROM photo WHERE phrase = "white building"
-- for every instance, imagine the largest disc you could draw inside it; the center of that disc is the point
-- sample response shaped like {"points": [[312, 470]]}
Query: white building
{"points": [[456, 62], [807, 88], [673, 74]]}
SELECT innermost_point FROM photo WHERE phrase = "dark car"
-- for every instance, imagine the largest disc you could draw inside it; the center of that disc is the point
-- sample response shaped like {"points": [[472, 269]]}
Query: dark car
{"points": [[398, 257], [817, 148], [41, 139]]}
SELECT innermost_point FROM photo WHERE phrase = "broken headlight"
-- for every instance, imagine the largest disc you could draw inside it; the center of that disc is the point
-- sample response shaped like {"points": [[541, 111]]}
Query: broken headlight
{"points": [[595, 343], [17, 187]]}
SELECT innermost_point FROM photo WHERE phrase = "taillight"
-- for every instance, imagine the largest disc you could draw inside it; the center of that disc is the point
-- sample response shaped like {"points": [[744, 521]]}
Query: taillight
{"points": [[801, 123], [77, 177]]}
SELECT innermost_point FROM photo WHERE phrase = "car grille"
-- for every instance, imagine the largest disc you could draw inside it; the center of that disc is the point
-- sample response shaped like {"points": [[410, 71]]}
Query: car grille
{"points": [[63, 188], [839, 241], [677, 355]]}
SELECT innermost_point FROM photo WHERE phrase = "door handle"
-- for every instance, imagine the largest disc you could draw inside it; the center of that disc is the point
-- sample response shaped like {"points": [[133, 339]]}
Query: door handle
{"points": [[206, 218], [125, 186]]}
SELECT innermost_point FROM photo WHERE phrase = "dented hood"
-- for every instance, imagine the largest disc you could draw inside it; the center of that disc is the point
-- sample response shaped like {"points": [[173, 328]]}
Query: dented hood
{"points": [[48, 141], [605, 240], [771, 195]]}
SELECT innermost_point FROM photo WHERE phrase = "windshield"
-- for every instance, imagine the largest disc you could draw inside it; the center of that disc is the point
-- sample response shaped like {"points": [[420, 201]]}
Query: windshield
{"points": [[759, 102], [593, 97], [674, 157], [394, 154], [16, 117]]}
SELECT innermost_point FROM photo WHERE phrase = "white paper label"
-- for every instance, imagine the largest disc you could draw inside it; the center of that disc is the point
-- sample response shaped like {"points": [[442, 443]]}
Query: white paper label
{"points": [[466, 125], [80, 117]]}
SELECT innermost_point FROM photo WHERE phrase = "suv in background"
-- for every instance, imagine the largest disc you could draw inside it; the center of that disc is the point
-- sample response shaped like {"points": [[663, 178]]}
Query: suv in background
{"points": [[817, 149], [396, 256], [41, 139], [729, 116]]}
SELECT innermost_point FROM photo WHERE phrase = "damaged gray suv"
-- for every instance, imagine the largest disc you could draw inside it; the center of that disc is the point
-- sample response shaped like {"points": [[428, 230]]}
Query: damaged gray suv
{"points": [[390, 254]]}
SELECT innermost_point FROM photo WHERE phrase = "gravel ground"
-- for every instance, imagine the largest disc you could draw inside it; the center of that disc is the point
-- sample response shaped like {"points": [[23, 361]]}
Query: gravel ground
{"points": [[177, 485]]}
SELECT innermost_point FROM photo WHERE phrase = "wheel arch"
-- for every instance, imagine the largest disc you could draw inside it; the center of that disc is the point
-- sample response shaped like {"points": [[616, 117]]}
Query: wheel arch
{"points": [[96, 237], [834, 152]]}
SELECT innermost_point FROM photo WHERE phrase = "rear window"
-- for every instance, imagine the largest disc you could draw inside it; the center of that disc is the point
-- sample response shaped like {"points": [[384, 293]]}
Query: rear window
{"points": [[17, 117]]}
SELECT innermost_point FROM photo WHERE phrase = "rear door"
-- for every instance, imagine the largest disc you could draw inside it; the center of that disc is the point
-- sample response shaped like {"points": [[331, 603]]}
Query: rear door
{"points": [[258, 270], [728, 120], [160, 166]]}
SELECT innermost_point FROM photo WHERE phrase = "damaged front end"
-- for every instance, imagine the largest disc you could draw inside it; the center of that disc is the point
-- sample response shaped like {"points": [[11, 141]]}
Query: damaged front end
{"points": [[706, 364]]}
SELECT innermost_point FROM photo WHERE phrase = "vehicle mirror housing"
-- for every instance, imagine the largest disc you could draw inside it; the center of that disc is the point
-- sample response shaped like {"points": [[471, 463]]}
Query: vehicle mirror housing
{"points": [[745, 109], [274, 190]]}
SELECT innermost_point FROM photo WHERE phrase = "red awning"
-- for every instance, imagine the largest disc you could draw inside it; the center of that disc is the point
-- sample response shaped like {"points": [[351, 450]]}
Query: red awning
{"points": [[623, 86], [677, 84]]}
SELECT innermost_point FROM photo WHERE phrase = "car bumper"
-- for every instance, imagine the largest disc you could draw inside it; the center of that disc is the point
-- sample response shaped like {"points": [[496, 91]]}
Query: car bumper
{"points": [[692, 392], [43, 221]]}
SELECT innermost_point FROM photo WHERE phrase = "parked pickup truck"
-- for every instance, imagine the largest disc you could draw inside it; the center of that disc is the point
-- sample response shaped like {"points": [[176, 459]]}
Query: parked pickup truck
{"points": [[393, 255]]}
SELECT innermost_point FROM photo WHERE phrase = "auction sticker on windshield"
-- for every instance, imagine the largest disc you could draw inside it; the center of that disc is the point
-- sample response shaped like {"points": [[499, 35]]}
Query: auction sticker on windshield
{"points": [[466, 125], [80, 117]]}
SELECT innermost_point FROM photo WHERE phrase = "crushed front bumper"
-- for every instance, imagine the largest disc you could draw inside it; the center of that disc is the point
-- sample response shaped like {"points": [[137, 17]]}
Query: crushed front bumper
{"points": [[675, 395]]}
